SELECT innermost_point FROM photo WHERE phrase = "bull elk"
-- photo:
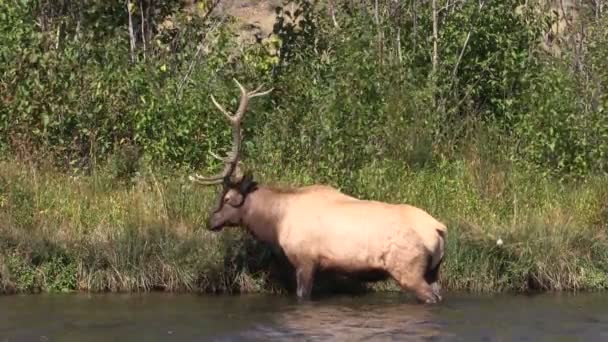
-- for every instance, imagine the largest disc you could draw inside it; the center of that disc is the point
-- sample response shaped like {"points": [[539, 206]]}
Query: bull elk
{"points": [[320, 228]]}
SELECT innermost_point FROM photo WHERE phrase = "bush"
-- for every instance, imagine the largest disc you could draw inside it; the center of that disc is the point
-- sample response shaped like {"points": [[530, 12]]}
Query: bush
{"points": [[344, 97]]}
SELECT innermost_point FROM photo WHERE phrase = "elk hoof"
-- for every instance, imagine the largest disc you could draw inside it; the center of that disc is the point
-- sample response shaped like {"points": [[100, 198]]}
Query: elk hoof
{"points": [[436, 290], [430, 298]]}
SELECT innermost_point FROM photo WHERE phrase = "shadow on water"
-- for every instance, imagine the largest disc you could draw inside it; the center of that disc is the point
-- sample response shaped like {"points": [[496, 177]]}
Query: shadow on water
{"points": [[376, 317]]}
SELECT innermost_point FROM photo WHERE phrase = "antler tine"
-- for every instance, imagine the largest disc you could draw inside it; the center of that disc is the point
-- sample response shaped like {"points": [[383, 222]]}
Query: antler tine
{"points": [[245, 96], [255, 92], [218, 178], [232, 167], [219, 106], [216, 156], [243, 90], [204, 181], [240, 112]]}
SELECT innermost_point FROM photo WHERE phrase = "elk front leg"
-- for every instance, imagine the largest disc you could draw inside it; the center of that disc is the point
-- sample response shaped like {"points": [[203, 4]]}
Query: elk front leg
{"points": [[304, 280]]}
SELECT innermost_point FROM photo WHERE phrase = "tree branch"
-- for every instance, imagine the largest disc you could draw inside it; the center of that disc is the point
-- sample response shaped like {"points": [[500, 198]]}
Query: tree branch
{"points": [[464, 47]]}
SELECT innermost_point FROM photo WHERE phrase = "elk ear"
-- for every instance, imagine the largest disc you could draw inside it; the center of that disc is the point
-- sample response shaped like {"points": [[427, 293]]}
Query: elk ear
{"points": [[247, 184], [236, 199]]}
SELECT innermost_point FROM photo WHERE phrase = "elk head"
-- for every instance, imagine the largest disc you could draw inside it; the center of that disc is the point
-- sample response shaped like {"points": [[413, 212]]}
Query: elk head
{"points": [[228, 210]]}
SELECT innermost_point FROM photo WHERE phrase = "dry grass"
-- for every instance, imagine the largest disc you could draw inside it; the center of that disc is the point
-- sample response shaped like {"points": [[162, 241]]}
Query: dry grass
{"points": [[114, 237], [99, 233]]}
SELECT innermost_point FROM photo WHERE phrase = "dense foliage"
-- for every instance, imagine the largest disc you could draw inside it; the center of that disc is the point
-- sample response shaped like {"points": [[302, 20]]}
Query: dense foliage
{"points": [[344, 96], [501, 131]]}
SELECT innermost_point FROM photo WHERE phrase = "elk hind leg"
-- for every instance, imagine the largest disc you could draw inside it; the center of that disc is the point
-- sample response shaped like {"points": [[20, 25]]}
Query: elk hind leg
{"points": [[432, 277], [411, 276], [304, 280], [423, 291]]}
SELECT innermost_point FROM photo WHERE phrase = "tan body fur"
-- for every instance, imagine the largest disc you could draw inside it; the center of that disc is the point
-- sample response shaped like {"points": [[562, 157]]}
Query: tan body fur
{"points": [[320, 228]]}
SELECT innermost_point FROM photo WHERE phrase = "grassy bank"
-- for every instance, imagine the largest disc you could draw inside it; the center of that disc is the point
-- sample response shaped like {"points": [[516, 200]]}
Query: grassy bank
{"points": [[100, 233], [99, 90]]}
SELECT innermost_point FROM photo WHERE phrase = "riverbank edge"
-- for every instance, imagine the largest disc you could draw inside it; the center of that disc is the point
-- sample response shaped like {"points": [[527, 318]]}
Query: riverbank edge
{"points": [[507, 231]]}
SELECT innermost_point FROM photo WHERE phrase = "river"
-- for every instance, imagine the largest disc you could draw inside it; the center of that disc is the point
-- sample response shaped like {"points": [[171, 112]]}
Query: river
{"points": [[375, 317]]}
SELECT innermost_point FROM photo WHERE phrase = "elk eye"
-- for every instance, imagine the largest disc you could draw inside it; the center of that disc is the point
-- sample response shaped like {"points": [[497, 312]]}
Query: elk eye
{"points": [[226, 199]]}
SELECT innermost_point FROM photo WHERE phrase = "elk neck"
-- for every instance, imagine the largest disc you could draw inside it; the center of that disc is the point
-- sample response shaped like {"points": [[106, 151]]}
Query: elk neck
{"points": [[263, 213]]}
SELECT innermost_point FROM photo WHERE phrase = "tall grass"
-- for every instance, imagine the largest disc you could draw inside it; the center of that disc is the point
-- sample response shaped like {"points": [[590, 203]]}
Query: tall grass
{"points": [[103, 233], [96, 233]]}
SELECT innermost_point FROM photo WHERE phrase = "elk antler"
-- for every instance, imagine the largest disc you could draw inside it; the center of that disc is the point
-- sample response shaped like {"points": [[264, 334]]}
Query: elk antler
{"points": [[232, 158]]}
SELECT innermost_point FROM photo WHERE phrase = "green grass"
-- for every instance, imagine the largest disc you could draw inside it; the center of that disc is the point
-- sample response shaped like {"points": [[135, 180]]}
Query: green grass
{"points": [[103, 233]]}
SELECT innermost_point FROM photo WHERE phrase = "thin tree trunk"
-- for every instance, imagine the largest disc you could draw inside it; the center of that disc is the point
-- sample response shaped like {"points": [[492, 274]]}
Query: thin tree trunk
{"points": [[332, 13], [414, 24], [561, 5], [80, 19], [131, 33], [149, 19], [376, 11], [380, 38], [435, 38], [143, 26], [438, 105]]}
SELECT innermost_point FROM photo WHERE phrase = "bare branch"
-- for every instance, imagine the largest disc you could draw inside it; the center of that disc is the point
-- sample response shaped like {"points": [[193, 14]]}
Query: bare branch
{"points": [[199, 49], [464, 47]]}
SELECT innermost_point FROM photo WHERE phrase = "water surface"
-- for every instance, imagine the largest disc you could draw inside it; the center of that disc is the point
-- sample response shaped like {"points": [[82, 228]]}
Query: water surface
{"points": [[375, 317]]}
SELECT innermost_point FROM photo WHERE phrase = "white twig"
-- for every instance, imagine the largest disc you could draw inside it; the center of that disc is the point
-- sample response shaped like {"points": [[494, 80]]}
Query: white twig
{"points": [[200, 47], [464, 47]]}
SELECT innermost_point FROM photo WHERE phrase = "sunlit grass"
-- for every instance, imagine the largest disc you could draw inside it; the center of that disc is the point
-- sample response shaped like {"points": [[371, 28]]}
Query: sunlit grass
{"points": [[100, 233]]}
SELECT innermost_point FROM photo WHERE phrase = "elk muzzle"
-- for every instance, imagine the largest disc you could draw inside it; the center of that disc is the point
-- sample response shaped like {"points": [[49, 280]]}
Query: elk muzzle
{"points": [[215, 223]]}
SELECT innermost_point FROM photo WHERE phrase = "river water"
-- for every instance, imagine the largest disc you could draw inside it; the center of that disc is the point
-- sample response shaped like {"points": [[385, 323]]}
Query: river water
{"points": [[375, 317]]}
